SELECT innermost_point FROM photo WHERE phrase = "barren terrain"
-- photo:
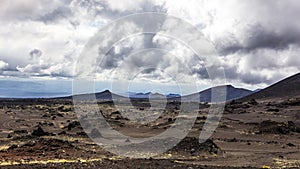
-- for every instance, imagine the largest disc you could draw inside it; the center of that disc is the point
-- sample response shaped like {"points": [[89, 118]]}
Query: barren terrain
{"points": [[46, 133]]}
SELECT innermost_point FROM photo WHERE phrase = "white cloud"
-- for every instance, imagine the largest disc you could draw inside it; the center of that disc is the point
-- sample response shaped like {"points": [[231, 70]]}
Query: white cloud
{"points": [[3, 64], [27, 9]]}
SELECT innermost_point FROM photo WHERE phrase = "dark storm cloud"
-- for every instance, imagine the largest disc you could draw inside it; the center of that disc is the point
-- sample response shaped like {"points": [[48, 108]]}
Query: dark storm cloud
{"points": [[249, 78], [35, 53], [57, 14], [262, 38], [113, 57], [259, 37], [200, 72], [231, 73], [149, 70]]}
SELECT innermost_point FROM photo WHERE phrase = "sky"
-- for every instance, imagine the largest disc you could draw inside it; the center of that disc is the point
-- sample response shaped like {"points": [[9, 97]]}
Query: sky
{"points": [[257, 44]]}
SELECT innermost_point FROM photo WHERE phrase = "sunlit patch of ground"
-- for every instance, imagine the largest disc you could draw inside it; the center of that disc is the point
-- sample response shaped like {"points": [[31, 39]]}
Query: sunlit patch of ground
{"points": [[72, 139], [4, 147], [24, 162], [286, 163]]}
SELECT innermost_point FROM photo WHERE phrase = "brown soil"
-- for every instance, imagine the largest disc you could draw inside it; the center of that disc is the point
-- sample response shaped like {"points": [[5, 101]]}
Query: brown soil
{"points": [[252, 134]]}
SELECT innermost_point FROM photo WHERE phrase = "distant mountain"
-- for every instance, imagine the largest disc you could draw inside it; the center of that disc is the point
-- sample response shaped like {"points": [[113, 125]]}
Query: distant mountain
{"points": [[139, 95], [231, 93], [257, 90], [146, 95], [205, 96], [284, 89], [105, 95], [173, 96]]}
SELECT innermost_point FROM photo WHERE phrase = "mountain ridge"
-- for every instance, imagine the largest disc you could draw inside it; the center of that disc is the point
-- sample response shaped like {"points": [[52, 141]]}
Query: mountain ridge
{"points": [[202, 96], [283, 89], [231, 93]]}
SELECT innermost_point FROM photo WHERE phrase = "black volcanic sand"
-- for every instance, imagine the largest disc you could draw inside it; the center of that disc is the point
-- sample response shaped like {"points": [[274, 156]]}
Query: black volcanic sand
{"points": [[39, 133]]}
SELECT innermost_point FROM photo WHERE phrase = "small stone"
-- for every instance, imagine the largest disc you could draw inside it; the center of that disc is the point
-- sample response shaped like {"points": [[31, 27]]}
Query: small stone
{"points": [[95, 133], [39, 132], [291, 145]]}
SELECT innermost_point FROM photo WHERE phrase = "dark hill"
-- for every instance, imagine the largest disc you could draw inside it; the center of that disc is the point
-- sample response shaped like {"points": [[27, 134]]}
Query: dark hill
{"points": [[231, 93], [284, 89], [105, 95]]}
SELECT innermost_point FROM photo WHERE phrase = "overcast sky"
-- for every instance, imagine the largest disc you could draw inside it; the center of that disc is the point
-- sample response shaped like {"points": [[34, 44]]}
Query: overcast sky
{"points": [[258, 41]]}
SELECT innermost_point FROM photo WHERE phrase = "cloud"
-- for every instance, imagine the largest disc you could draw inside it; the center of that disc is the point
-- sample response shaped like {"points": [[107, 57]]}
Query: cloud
{"points": [[3, 64], [29, 9], [45, 37], [35, 53], [254, 25], [56, 14], [258, 41], [113, 9]]}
